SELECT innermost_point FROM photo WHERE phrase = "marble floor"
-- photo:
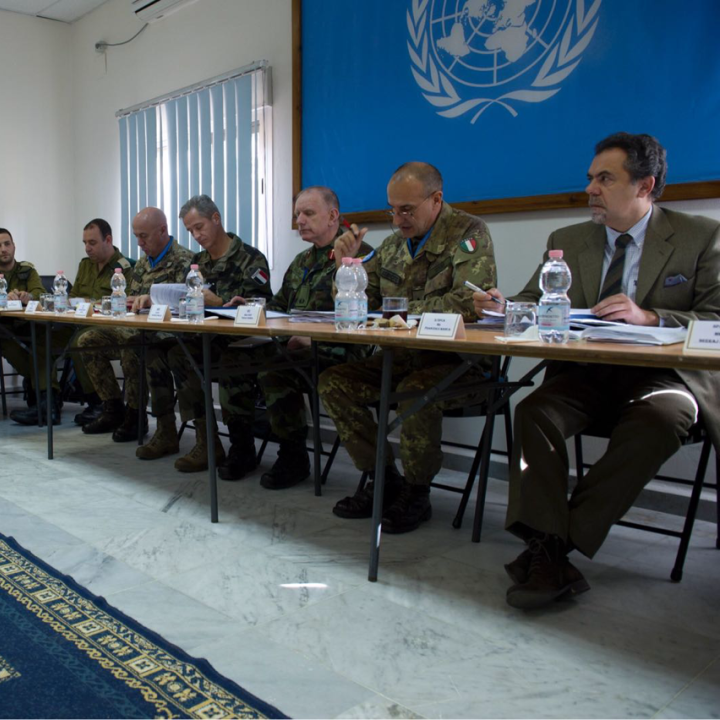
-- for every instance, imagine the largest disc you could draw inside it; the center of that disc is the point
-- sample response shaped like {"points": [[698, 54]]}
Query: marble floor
{"points": [[275, 595]]}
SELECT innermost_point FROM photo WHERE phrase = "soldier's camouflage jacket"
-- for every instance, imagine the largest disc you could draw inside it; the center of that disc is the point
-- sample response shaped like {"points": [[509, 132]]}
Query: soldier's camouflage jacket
{"points": [[24, 278], [459, 248], [89, 283], [173, 268], [308, 285], [243, 270]]}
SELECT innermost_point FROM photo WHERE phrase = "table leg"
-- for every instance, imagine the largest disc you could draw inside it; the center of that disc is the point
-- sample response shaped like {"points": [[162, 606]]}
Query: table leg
{"points": [[36, 371], [141, 387], [383, 411], [315, 408], [49, 388], [210, 426]]}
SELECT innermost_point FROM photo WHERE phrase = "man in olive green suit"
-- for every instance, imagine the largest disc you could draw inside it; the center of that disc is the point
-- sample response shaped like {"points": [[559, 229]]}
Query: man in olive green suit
{"points": [[646, 266]]}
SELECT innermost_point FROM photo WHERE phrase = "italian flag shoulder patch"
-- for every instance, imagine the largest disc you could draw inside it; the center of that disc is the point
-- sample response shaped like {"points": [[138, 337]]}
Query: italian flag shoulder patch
{"points": [[469, 245]]}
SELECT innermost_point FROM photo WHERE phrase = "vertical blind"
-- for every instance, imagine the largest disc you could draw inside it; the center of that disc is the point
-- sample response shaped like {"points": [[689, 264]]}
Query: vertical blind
{"points": [[212, 138]]}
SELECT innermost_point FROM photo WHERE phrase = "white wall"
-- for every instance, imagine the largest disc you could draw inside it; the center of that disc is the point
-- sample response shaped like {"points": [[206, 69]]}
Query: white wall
{"points": [[200, 41], [37, 156]]}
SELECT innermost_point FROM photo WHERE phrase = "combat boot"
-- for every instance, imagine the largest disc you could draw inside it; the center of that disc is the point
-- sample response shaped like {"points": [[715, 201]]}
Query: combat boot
{"points": [[360, 505], [291, 467], [242, 458], [92, 411], [410, 509], [29, 416], [112, 416], [197, 459], [163, 442], [128, 431]]}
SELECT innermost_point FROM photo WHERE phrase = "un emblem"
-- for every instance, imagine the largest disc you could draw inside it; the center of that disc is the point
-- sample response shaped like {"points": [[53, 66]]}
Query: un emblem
{"points": [[467, 55]]}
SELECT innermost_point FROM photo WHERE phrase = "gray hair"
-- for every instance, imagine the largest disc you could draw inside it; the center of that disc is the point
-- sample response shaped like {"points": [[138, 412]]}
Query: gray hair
{"points": [[204, 205], [328, 195], [426, 173]]}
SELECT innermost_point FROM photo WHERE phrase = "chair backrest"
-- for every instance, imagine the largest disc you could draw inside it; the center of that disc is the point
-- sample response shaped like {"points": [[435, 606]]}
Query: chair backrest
{"points": [[47, 281]]}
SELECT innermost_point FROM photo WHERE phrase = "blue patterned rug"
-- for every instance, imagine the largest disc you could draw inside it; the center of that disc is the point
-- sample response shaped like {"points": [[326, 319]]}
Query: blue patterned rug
{"points": [[66, 653]]}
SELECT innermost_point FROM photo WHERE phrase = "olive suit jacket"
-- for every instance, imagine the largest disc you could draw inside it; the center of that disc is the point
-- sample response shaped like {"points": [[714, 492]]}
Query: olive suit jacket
{"points": [[678, 278]]}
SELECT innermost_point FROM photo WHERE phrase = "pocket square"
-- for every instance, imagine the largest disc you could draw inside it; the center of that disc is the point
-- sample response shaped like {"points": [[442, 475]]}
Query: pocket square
{"points": [[674, 280]]}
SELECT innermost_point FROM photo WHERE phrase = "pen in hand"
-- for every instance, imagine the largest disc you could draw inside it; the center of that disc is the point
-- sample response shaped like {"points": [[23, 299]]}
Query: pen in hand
{"points": [[475, 288]]}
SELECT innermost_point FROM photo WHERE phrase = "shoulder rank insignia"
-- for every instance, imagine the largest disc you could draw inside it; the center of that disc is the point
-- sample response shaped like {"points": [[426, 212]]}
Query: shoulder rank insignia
{"points": [[260, 276]]}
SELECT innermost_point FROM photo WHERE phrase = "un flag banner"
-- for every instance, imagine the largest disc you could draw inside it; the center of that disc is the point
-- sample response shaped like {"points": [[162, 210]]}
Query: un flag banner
{"points": [[506, 97]]}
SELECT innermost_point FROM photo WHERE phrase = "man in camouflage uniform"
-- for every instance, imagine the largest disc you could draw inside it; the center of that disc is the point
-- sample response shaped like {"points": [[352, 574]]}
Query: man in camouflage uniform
{"points": [[438, 249], [24, 284], [164, 262], [307, 285], [230, 268], [91, 282]]}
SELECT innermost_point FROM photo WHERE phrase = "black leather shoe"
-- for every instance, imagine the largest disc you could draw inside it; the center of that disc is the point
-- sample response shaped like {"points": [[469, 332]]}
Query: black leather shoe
{"points": [[92, 411], [360, 505], [550, 575], [29, 416], [410, 509], [291, 468], [111, 418], [240, 460], [128, 431]]}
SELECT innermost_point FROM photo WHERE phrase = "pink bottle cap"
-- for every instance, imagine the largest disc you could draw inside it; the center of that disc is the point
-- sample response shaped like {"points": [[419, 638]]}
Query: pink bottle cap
{"points": [[347, 261], [556, 254], [118, 270], [194, 267]]}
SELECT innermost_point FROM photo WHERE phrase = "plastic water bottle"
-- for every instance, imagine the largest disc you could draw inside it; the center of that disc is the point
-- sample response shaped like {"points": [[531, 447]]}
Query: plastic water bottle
{"points": [[361, 279], [195, 299], [554, 305], [118, 299], [346, 300], [3, 292], [60, 286]]}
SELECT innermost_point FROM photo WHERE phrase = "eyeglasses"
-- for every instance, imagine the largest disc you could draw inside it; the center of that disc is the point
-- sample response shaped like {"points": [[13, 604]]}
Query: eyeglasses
{"points": [[407, 213]]}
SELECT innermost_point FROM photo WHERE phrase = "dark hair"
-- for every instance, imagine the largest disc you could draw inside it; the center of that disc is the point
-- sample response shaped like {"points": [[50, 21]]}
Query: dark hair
{"points": [[3, 231], [427, 174], [204, 205], [102, 225], [328, 195], [646, 157]]}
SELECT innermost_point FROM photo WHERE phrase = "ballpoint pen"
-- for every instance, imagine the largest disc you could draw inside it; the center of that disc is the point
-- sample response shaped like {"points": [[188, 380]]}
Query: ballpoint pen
{"points": [[475, 288]]}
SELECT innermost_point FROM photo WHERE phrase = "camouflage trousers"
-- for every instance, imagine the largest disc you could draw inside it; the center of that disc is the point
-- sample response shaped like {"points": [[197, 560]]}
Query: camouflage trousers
{"points": [[106, 344], [21, 359], [284, 392], [347, 390], [237, 394]]}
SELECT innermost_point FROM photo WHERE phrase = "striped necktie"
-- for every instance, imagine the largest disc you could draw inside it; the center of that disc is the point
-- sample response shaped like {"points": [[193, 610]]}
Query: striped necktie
{"points": [[612, 284]]}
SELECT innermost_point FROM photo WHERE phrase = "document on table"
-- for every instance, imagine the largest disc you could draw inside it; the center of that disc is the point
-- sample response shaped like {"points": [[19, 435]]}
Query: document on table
{"points": [[230, 313], [168, 294], [635, 335]]}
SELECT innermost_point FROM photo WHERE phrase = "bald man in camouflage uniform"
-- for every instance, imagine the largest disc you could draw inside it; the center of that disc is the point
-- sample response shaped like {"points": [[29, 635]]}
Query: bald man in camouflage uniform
{"points": [[92, 281], [307, 285], [231, 269], [438, 249], [164, 261]]}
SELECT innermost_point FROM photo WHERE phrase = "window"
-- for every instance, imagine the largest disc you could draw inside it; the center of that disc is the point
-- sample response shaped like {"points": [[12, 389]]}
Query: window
{"points": [[212, 138]]}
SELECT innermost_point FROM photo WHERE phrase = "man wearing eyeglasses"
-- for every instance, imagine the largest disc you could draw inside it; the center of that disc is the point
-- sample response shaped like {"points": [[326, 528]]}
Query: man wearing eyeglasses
{"points": [[433, 250]]}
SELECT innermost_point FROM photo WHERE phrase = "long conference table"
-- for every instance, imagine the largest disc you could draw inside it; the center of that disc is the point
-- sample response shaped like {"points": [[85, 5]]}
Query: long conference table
{"points": [[476, 342]]}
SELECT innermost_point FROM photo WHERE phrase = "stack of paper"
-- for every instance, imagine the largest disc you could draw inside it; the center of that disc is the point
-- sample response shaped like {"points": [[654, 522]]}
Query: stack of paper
{"points": [[635, 335]]}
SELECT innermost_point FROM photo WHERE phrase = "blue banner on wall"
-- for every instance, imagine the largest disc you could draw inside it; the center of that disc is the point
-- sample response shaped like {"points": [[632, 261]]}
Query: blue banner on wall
{"points": [[506, 97]]}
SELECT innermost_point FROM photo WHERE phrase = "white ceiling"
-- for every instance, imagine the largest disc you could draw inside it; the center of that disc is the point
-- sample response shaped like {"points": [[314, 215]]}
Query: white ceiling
{"points": [[64, 10]]}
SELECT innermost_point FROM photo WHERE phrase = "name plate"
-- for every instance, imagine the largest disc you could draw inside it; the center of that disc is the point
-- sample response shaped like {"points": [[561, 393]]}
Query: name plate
{"points": [[441, 326], [83, 309], [703, 336], [250, 316], [159, 313], [14, 305], [32, 306]]}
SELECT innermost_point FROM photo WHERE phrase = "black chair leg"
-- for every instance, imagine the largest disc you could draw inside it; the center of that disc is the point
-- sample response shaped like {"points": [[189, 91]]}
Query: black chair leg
{"points": [[182, 430], [330, 460], [457, 521], [2, 388], [677, 571], [579, 462], [508, 431]]}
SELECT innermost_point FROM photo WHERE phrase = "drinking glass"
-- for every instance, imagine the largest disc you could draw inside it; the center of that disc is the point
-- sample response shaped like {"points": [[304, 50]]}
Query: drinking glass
{"points": [[392, 306], [106, 305], [519, 316]]}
